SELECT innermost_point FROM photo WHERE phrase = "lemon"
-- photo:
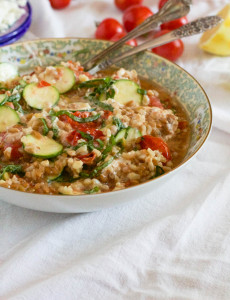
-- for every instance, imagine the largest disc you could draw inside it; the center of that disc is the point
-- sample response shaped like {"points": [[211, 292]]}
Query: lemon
{"points": [[217, 40]]}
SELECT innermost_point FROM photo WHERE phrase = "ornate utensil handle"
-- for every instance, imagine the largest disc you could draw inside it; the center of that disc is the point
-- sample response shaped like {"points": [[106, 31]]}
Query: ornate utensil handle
{"points": [[189, 29], [173, 9]]}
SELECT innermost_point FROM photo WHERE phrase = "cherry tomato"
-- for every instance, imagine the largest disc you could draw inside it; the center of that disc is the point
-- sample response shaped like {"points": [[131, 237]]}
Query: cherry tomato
{"points": [[57, 4], [172, 25], [118, 36], [123, 4], [87, 158], [73, 138], [155, 143], [43, 83], [162, 3], [108, 28], [15, 153], [155, 101], [135, 15], [172, 50]]}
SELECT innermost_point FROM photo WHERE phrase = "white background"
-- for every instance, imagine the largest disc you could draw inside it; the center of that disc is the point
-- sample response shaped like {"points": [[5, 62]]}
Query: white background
{"points": [[175, 245]]}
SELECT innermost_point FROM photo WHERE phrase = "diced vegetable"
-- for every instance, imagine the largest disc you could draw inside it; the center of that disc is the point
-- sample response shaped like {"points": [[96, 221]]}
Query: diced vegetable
{"points": [[2, 98], [41, 146], [126, 91], [8, 118], [40, 97], [7, 72], [132, 134], [122, 134], [65, 81]]}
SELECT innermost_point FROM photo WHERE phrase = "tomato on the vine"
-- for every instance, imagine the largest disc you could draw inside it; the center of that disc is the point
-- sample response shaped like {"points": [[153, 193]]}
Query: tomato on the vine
{"points": [[135, 15], [57, 4], [155, 143], [172, 51], [108, 28], [118, 36], [123, 4], [174, 24]]}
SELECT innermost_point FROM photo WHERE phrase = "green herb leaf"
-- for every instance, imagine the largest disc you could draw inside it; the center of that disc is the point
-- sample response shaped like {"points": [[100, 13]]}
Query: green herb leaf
{"points": [[94, 190], [101, 167], [45, 127], [118, 123], [142, 92], [159, 172], [79, 145], [85, 135], [76, 119], [14, 169]]}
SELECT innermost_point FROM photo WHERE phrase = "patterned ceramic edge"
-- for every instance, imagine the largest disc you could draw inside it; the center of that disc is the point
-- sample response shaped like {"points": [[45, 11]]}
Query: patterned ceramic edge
{"points": [[152, 67]]}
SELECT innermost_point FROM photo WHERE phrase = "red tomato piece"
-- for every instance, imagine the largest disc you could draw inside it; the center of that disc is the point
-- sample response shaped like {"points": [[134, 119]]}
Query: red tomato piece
{"points": [[118, 36], [182, 125], [87, 158], [171, 51], [155, 143], [162, 3], [123, 4], [58, 4], [15, 153], [43, 83], [108, 28], [135, 15], [107, 113], [155, 101], [73, 138], [172, 25]]}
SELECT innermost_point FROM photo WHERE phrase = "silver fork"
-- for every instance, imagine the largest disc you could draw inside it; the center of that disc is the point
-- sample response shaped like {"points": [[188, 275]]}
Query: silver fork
{"points": [[192, 28], [173, 9]]}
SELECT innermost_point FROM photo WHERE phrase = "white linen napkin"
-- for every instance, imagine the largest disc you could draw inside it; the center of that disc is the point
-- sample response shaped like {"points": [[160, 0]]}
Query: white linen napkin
{"points": [[172, 244]]}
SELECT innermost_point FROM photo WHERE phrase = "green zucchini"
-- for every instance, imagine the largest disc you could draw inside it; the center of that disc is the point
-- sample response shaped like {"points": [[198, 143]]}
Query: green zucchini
{"points": [[126, 90], [65, 82], [40, 97], [44, 147], [8, 118], [132, 134], [2, 97], [8, 72], [121, 135]]}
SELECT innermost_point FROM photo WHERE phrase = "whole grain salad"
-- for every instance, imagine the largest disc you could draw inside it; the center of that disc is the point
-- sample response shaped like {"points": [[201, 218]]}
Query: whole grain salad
{"points": [[63, 131]]}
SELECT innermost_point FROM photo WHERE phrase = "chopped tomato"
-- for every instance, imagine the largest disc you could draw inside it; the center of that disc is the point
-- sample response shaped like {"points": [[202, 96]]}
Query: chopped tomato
{"points": [[79, 114], [155, 101], [155, 143], [87, 158], [43, 83], [107, 114], [73, 138], [15, 153], [10, 104]]}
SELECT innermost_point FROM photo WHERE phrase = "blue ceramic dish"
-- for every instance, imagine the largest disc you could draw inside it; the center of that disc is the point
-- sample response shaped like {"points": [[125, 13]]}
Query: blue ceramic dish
{"points": [[18, 29]]}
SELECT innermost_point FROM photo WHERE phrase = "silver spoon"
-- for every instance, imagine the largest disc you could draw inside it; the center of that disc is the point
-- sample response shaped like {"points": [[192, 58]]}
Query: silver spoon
{"points": [[173, 9], [192, 28]]}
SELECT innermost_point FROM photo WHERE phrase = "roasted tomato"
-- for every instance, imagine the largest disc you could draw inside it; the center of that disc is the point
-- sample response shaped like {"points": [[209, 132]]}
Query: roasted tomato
{"points": [[155, 143], [87, 158]]}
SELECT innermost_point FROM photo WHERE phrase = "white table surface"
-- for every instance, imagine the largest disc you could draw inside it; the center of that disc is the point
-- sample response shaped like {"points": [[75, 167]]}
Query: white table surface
{"points": [[173, 246]]}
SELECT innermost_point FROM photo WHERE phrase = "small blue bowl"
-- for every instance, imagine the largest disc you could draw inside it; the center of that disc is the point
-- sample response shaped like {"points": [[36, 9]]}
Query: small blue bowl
{"points": [[16, 31]]}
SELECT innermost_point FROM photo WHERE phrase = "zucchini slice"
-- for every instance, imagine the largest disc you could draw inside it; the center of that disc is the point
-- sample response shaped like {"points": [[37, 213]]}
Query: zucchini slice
{"points": [[132, 134], [126, 90], [40, 97], [8, 72], [41, 146], [121, 135], [2, 98], [8, 118], [66, 80]]}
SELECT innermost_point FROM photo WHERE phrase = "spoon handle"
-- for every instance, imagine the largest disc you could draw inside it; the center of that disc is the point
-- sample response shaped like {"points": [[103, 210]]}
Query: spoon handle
{"points": [[192, 28], [173, 9]]}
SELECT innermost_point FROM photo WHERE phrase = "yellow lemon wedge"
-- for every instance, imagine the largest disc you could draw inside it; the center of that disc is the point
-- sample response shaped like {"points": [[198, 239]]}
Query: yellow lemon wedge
{"points": [[217, 40]]}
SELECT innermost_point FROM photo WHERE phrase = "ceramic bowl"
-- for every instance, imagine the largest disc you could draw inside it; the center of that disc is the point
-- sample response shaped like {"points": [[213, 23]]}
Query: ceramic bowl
{"points": [[150, 66]]}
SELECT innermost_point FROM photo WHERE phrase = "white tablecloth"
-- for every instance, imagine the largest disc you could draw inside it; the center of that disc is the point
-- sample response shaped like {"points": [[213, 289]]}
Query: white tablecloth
{"points": [[173, 246]]}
